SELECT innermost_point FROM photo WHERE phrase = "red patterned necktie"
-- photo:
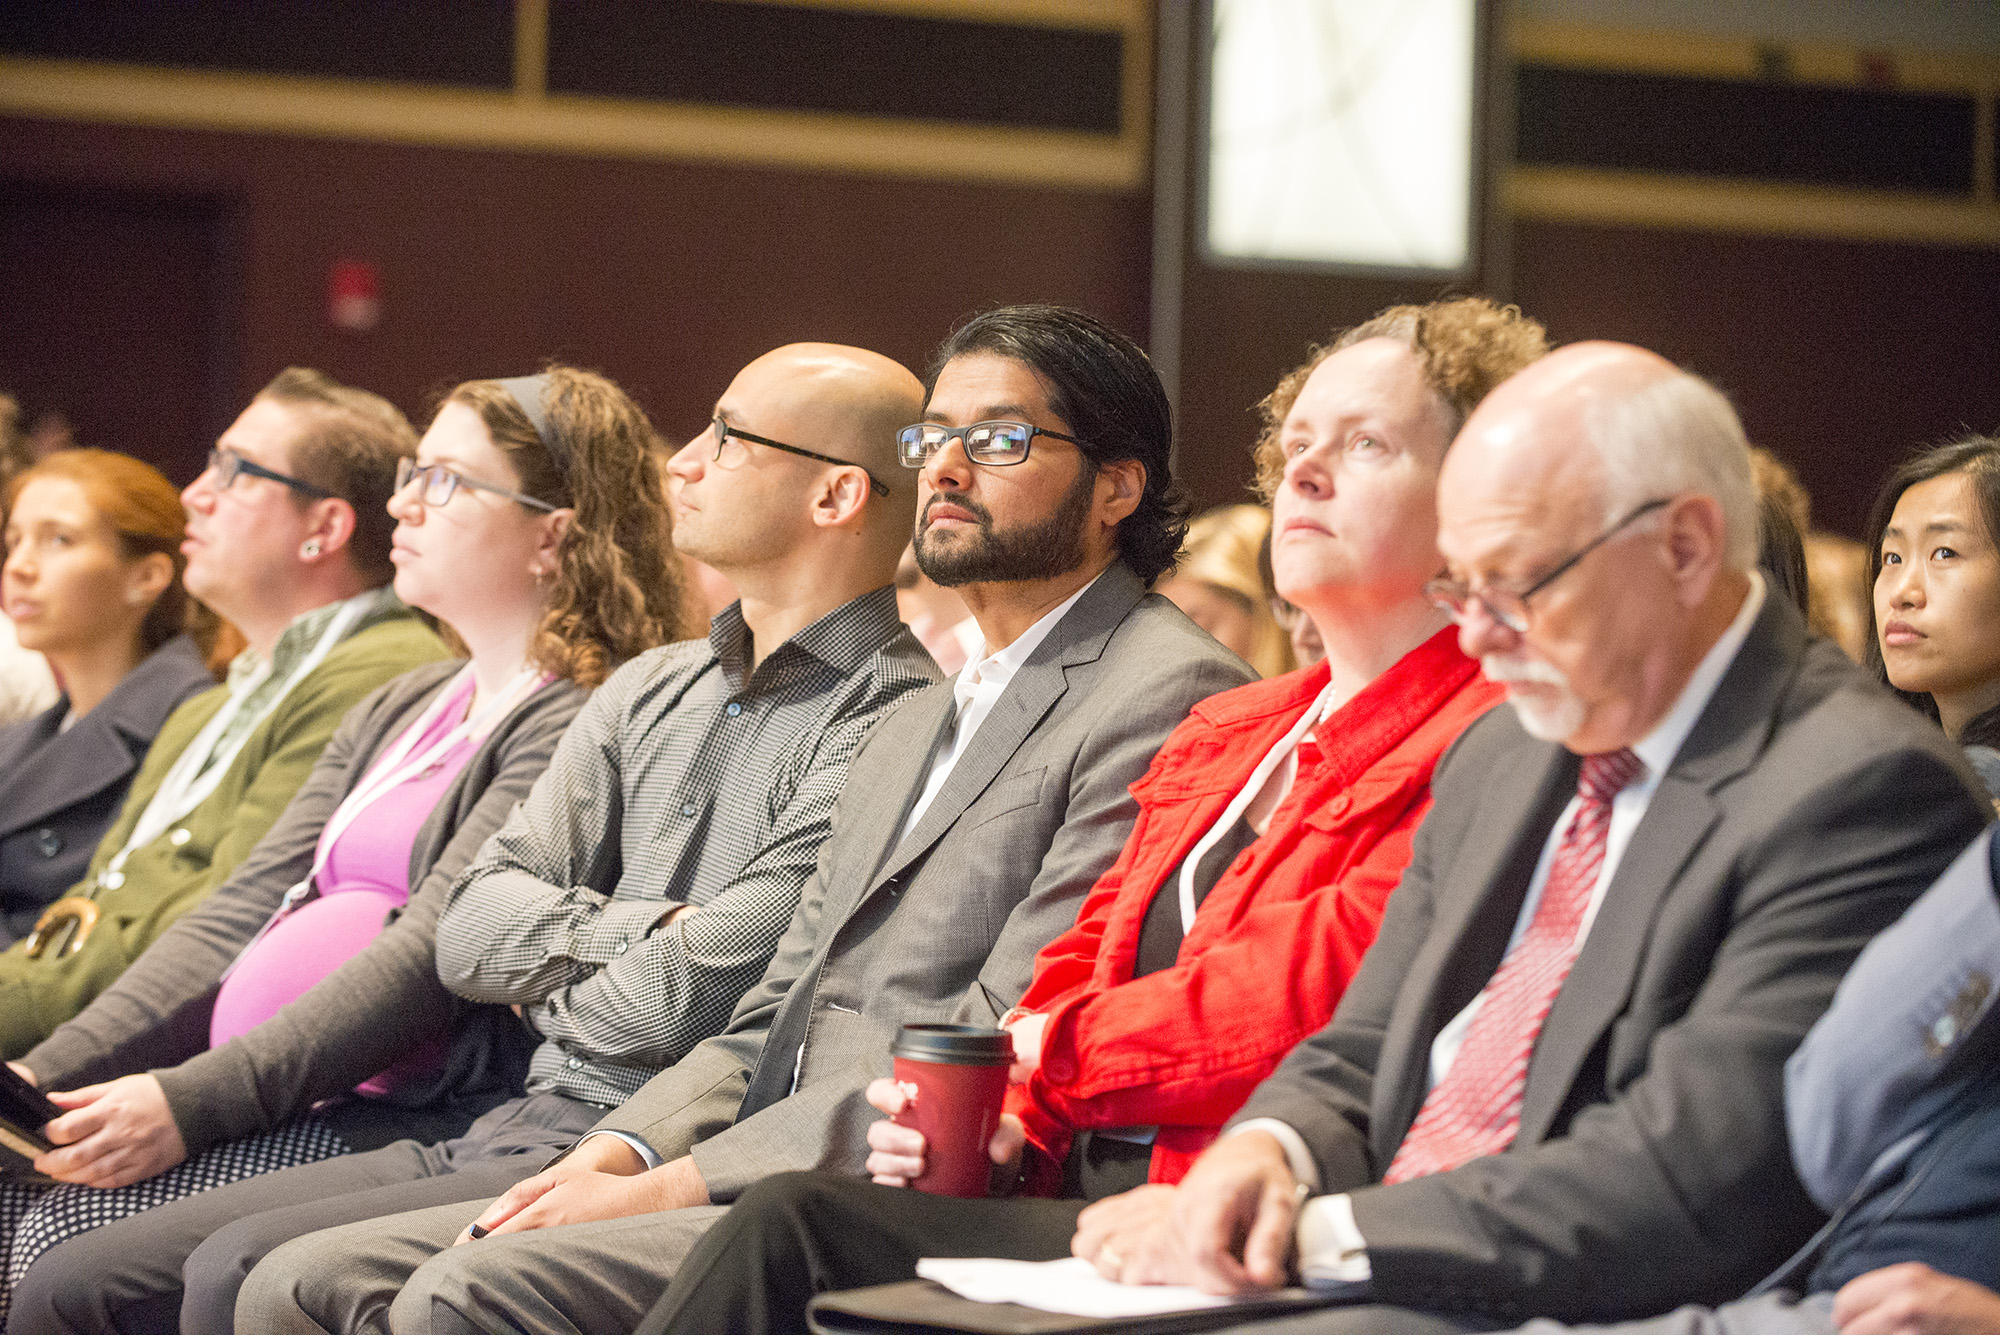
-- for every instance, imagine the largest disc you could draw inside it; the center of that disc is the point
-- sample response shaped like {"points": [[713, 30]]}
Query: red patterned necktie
{"points": [[1476, 1109]]}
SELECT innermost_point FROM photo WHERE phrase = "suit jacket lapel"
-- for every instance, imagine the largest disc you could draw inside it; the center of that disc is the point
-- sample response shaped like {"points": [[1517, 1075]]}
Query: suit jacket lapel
{"points": [[1078, 638], [1478, 900], [1727, 739]]}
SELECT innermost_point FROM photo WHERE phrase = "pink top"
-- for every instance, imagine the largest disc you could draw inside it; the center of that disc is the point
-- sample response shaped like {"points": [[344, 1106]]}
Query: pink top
{"points": [[364, 874]]}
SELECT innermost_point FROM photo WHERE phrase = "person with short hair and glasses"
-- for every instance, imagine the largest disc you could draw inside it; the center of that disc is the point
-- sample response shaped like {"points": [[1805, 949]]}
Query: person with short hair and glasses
{"points": [[975, 818], [634, 892], [327, 1029], [287, 541]]}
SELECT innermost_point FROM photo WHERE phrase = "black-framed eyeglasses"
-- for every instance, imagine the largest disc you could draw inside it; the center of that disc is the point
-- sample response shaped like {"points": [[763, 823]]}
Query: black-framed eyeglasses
{"points": [[228, 465], [1508, 607], [995, 444], [440, 482], [723, 431]]}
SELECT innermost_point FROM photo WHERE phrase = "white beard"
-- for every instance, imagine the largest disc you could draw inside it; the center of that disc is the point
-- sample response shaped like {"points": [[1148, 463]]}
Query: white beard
{"points": [[1551, 714]]}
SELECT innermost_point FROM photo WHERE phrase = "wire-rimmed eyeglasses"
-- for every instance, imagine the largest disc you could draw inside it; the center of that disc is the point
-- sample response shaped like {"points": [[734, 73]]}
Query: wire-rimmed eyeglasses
{"points": [[1508, 607]]}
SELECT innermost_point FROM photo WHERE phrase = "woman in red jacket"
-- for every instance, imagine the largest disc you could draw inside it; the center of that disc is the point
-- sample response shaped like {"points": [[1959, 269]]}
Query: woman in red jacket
{"points": [[1272, 827]]}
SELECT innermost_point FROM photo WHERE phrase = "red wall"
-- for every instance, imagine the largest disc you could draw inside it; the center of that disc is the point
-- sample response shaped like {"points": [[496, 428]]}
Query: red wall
{"points": [[668, 277]]}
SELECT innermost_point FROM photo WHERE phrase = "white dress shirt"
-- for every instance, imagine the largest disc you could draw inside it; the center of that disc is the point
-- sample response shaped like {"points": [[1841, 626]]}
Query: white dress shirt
{"points": [[1332, 1251], [977, 688]]}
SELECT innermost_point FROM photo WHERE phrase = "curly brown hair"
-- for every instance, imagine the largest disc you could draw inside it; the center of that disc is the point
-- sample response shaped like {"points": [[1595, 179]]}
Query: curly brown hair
{"points": [[1467, 346], [617, 589]]}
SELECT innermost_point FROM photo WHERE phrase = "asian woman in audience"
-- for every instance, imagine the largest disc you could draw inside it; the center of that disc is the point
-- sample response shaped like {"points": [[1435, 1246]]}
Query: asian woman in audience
{"points": [[1221, 587], [1935, 536], [297, 1014], [92, 581]]}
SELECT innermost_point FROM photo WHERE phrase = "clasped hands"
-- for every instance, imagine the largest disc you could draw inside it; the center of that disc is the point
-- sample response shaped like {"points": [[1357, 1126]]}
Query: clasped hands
{"points": [[110, 1135]]}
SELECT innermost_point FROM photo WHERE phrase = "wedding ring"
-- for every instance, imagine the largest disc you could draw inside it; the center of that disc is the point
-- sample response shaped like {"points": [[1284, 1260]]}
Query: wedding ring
{"points": [[1107, 1259]]}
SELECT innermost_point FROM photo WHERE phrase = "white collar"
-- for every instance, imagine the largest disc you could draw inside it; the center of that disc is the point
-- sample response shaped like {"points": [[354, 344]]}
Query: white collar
{"points": [[999, 668], [1659, 747]]}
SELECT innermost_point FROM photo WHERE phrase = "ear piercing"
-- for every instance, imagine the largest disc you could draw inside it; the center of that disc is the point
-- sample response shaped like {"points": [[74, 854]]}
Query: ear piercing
{"points": [[309, 549]]}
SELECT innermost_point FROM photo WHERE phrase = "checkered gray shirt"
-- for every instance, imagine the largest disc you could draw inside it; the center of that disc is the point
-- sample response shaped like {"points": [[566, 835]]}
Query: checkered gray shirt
{"points": [[681, 782]]}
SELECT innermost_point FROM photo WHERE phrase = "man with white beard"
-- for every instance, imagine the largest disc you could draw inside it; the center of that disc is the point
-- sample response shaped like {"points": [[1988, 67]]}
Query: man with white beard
{"points": [[1554, 1087]]}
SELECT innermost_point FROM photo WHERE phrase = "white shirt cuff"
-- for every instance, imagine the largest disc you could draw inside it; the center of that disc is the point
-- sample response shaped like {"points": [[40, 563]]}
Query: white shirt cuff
{"points": [[1296, 1153], [1332, 1251], [638, 1146]]}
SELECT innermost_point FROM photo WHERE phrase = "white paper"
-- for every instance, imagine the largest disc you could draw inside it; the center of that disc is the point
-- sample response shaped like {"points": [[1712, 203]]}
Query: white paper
{"points": [[1071, 1286]]}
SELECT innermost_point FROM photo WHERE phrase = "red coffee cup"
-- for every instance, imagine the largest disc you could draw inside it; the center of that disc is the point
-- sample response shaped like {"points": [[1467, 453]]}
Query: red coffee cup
{"points": [[956, 1076]]}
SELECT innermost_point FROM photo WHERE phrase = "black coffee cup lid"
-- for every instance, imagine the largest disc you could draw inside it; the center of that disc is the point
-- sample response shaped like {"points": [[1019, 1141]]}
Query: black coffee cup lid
{"points": [[954, 1045]]}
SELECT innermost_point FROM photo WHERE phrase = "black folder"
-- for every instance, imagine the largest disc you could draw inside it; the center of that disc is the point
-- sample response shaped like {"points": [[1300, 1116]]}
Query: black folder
{"points": [[24, 1110]]}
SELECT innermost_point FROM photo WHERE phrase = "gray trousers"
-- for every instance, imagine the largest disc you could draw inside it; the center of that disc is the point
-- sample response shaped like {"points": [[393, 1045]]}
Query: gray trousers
{"points": [[1771, 1314], [129, 1276]]}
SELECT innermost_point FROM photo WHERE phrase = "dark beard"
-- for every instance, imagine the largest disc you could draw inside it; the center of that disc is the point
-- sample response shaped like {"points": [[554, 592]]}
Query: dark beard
{"points": [[1039, 551]]}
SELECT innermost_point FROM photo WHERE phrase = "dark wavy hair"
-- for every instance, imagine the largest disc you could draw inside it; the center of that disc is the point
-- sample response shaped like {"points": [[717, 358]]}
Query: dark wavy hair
{"points": [[618, 587], [1103, 385], [1978, 457]]}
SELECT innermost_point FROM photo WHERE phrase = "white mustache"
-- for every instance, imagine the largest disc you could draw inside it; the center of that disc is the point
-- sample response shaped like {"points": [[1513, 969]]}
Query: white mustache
{"points": [[1504, 669]]}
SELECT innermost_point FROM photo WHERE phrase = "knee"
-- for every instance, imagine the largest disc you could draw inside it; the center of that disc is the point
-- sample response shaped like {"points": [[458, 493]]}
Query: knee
{"points": [[214, 1272], [58, 1291], [267, 1294]]}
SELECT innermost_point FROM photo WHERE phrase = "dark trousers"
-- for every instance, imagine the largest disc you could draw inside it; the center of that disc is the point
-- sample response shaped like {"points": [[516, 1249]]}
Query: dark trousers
{"points": [[128, 1276], [798, 1234]]}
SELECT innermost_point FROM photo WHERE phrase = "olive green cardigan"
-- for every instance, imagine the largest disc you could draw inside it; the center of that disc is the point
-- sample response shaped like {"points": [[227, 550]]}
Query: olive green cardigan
{"points": [[173, 873]]}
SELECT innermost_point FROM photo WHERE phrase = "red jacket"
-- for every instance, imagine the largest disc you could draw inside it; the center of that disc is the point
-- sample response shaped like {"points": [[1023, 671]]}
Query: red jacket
{"points": [[1276, 939]]}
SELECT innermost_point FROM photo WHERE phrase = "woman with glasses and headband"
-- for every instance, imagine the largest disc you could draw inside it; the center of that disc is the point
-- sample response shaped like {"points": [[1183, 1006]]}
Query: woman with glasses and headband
{"points": [[93, 580], [298, 1014], [1272, 826]]}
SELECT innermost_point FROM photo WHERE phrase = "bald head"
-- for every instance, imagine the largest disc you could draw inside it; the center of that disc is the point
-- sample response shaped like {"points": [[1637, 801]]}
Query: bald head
{"points": [[1603, 497], [1599, 428]]}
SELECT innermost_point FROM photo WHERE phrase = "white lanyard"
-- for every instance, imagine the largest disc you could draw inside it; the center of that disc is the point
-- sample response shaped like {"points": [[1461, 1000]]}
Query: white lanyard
{"points": [[392, 769], [1319, 709], [187, 785], [396, 766]]}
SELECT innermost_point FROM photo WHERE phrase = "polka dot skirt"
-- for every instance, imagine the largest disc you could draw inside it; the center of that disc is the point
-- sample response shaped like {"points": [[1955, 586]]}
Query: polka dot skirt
{"points": [[35, 1217]]}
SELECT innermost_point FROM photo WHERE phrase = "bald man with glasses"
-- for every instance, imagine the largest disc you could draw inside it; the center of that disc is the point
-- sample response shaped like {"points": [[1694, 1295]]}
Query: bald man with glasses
{"points": [[1555, 1085]]}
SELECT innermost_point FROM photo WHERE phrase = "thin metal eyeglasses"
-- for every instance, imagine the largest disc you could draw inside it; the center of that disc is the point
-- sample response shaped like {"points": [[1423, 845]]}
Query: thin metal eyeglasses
{"points": [[228, 465], [723, 431], [440, 482], [1507, 607], [995, 444]]}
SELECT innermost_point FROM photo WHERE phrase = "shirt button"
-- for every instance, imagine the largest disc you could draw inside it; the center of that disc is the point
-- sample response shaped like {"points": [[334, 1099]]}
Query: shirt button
{"points": [[735, 708], [1944, 1030], [688, 810], [619, 949], [574, 1063], [113, 879], [48, 842], [180, 836]]}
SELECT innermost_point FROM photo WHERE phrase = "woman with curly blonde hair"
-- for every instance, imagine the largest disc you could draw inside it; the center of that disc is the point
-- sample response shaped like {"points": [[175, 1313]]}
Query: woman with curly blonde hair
{"points": [[297, 1013]]}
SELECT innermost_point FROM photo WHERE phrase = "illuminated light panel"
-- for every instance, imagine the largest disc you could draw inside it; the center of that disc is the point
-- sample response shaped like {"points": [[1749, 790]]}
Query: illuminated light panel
{"points": [[1340, 133]]}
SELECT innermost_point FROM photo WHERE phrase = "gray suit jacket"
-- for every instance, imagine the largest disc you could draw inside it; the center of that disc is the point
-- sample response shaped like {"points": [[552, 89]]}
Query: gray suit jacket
{"points": [[1805, 811], [60, 791], [943, 925]]}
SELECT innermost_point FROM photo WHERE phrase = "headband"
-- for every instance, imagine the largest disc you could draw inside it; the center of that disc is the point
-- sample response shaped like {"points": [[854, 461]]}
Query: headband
{"points": [[527, 391]]}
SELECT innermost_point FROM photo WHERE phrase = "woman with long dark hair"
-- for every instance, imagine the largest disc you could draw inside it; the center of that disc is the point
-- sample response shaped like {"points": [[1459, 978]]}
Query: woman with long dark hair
{"points": [[1934, 536]]}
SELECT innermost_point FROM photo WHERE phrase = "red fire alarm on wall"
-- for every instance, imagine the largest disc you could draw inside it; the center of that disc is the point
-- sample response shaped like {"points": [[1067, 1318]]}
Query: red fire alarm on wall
{"points": [[354, 295]]}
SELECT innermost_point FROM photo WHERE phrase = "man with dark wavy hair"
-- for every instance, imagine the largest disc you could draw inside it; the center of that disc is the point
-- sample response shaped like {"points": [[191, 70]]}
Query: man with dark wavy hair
{"points": [[974, 819]]}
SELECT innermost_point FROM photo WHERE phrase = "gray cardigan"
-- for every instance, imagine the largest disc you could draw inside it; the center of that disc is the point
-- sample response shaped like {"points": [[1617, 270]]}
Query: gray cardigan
{"points": [[369, 1012]]}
